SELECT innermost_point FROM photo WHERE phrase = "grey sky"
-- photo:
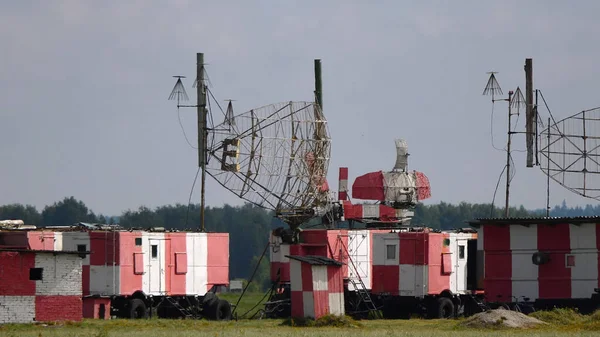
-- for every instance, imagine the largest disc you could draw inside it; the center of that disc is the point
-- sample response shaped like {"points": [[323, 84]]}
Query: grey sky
{"points": [[84, 87]]}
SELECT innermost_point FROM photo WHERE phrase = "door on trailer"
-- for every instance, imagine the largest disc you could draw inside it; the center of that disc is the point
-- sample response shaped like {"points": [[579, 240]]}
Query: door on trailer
{"points": [[358, 249], [460, 265], [156, 266]]}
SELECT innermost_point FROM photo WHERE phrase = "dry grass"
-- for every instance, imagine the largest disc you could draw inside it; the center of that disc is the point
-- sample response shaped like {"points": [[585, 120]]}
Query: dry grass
{"points": [[562, 323]]}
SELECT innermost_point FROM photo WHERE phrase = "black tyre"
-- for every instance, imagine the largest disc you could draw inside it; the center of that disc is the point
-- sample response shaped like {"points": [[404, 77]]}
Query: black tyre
{"points": [[137, 309], [218, 310], [444, 308]]}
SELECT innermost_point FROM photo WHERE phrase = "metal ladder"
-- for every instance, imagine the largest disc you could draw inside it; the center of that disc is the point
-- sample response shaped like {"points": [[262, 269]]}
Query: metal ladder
{"points": [[359, 286], [184, 311]]}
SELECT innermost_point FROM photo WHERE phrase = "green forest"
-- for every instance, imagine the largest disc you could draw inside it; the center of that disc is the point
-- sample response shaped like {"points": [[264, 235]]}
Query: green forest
{"points": [[249, 225]]}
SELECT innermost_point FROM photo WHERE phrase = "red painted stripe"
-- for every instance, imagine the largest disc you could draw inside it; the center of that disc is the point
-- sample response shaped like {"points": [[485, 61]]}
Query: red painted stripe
{"points": [[335, 280], [85, 280], [218, 259], [176, 262], [104, 247], [554, 277], [498, 263], [130, 281], [41, 240], [413, 248], [438, 281], [307, 280], [58, 308], [14, 270], [297, 304], [386, 279], [321, 303]]}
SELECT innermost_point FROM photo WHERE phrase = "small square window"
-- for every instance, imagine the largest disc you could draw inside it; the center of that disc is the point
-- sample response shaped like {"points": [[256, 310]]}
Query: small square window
{"points": [[461, 252], [138, 241], [154, 251], [35, 274], [81, 248], [391, 252], [570, 260]]}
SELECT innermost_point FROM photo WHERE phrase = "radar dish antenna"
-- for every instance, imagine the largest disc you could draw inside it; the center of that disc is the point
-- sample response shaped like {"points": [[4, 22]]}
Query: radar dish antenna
{"points": [[570, 150]]}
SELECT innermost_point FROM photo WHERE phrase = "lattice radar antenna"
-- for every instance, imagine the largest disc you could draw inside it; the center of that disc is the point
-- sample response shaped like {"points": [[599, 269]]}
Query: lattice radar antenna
{"points": [[275, 156], [570, 152]]}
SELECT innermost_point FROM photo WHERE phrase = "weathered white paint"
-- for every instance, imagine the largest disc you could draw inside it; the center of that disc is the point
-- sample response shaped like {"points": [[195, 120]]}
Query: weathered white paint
{"points": [[17, 309], [308, 304], [320, 279], [336, 304], [196, 279], [523, 244], [413, 279], [58, 241], [61, 274], [295, 275], [380, 242], [370, 211], [278, 250], [72, 239], [584, 274], [359, 250], [104, 280]]}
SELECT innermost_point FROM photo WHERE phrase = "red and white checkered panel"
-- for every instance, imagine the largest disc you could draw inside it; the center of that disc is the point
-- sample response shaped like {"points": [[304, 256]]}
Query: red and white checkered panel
{"points": [[420, 263], [571, 271], [335, 244], [123, 262], [56, 297], [317, 290]]}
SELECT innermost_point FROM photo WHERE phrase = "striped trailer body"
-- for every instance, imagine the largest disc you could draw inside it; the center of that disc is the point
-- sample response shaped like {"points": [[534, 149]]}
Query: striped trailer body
{"points": [[550, 261], [418, 264], [138, 264], [39, 286], [317, 287]]}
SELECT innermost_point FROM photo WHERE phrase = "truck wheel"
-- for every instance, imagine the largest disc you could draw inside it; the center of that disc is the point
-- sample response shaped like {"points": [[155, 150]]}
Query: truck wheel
{"points": [[445, 308], [218, 310], [223, 310], [137, 309]]}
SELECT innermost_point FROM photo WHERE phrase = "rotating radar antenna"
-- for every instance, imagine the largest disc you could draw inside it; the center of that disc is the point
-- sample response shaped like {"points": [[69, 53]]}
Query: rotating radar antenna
{"points": [[570, 152], [275, 156]]}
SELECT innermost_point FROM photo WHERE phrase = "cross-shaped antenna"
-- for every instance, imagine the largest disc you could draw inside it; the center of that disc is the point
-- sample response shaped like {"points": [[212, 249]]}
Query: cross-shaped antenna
{"points": [[492, 87], [178, 91]]}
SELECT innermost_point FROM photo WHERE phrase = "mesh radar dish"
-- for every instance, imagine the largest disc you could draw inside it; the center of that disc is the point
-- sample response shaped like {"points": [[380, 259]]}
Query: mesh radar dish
{"points": [[570, 151], [275, 156]]}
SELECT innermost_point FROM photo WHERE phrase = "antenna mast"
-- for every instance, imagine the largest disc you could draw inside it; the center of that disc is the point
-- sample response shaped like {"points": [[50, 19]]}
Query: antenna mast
{"points": [[202, 130]]}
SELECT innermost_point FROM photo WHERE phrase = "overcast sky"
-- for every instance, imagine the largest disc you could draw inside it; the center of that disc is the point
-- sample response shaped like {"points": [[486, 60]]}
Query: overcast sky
{"points": [[84, 88]]}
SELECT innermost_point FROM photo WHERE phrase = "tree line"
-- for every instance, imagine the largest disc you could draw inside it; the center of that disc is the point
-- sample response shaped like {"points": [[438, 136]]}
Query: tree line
{"points": [[249, 225]]}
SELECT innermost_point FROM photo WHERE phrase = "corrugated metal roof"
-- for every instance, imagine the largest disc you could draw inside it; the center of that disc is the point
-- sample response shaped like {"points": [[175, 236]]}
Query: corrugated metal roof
{"points": [[56, 252], [534, 220], [315, 260]]}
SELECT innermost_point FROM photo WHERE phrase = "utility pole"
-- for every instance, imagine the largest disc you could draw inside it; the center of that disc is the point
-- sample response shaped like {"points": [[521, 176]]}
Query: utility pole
{"points": [[202, 130], [510, 93]]}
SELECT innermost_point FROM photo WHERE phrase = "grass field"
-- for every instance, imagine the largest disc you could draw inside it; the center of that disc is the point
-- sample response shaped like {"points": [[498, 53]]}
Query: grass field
{"points": [[563, 323]]}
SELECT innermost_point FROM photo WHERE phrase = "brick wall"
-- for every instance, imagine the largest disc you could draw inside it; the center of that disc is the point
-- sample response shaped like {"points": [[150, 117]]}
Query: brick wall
{"points": [[61, 275], [17, 309], [57, 308]]}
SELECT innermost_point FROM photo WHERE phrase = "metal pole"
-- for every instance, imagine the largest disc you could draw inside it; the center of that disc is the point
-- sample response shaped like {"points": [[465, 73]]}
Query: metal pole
{"points": [[202, 130], [318, 84], [529, 116], [508, 153], [548, 175]]}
